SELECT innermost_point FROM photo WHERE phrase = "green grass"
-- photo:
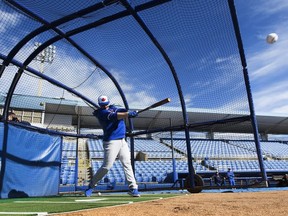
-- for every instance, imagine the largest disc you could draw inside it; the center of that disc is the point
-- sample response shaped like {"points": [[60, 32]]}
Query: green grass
{"points": [[66, 203]]}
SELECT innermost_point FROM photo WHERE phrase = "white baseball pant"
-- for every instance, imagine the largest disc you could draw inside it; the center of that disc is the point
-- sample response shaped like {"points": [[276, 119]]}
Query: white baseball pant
{"points": [[112, 149]]}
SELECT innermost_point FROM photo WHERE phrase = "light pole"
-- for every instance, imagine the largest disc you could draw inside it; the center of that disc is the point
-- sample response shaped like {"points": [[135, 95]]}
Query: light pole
{"points": [[46, 55]]}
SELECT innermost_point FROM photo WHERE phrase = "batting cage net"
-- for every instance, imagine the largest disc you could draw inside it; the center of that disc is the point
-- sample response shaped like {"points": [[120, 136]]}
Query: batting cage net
{"points": [[57, 57]]}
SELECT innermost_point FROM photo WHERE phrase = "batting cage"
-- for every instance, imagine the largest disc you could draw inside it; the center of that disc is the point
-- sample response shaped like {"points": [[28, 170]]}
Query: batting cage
{"points": [[57, 57]]}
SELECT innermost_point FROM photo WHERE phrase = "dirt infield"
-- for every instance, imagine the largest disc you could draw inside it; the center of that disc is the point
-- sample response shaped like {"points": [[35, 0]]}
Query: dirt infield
{"points": [[240, 204]]}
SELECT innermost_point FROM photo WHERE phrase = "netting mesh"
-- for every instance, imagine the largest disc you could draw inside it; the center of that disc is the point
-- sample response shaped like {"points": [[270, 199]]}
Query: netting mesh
{"points": [[10, 31], [101, 41], [205, 61], [137, 55], [203, 51]]}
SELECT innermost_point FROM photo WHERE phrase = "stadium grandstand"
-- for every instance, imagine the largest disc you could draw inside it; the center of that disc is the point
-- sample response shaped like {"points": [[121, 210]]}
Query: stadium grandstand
{"points": [[154, 153], [58, 57]]}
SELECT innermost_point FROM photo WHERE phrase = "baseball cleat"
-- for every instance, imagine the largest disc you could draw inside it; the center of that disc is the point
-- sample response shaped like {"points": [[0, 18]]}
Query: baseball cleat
{"points": [[134, 192], [88, 192]]}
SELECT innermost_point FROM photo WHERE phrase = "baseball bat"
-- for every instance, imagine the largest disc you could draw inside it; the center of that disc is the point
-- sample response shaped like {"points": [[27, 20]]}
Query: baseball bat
{"points": [[159, 103]]}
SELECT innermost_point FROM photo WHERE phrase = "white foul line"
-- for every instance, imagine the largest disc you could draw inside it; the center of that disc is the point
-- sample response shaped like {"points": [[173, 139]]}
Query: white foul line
{"points": [[43, 202], [69, 202], [54, 202], [61, 202], [24, 213]]}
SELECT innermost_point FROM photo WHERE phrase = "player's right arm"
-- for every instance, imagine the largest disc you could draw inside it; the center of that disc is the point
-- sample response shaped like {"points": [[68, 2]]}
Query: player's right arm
{"points": [[112, 115], [123, 113]]}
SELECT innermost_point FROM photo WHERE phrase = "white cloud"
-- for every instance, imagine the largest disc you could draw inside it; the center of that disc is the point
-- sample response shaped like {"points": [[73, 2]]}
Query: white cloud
{"points": [[99, 83], [224, 59], [267, 63], [281, 109], [270, 60], [273, 98], [271, 7], [11, 20]]}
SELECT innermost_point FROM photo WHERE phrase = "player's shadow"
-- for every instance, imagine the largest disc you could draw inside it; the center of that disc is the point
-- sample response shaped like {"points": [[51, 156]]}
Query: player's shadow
{"points": [[17, 194]]}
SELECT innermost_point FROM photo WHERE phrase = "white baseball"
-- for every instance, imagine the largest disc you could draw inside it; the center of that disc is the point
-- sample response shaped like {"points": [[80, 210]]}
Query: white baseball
{"points": [[271, 38]]}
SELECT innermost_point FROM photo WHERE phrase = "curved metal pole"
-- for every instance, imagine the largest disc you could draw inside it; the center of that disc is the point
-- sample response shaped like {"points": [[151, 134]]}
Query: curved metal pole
{"points": [[248, 89], [60, 36], [169, 62], [67, 36], [70, 17], [43, 76], [45, 27]]}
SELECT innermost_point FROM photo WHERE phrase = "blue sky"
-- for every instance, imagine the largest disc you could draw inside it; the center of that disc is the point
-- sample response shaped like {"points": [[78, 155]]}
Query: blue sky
{"points": [[267, 63]]}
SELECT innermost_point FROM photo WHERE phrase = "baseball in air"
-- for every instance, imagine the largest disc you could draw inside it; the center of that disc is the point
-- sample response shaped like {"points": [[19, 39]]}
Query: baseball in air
{"points": [[271, 38]]}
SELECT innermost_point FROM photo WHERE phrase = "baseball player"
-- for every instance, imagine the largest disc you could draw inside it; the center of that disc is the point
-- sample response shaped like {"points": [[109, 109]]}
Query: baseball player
{"points": [[230, 176], [111, 119]]}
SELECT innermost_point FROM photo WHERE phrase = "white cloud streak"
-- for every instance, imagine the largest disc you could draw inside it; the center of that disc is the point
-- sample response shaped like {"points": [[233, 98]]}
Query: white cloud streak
{"points": [[267, 64]]}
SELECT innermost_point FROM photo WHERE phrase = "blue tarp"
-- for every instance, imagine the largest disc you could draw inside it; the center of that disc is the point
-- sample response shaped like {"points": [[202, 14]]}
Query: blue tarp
{"points": [[31, 164]]}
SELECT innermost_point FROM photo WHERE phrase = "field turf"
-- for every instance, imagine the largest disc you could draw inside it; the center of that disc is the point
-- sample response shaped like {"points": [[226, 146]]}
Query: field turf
{"points": [[65, 203]]}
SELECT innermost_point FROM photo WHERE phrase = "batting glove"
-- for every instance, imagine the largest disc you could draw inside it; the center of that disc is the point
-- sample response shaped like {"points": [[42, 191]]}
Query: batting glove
{"points": [[132, 114]]}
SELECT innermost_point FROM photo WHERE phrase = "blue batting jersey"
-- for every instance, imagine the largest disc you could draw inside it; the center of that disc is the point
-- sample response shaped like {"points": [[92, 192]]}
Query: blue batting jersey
{"points": [[112, 127]]}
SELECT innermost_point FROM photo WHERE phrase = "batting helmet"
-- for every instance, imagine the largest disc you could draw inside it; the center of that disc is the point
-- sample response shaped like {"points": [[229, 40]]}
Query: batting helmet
{"points": [[103, 100]]}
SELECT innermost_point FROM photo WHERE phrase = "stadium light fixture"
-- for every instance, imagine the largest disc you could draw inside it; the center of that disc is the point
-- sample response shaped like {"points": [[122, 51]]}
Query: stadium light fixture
{"points": [[45, 56]]}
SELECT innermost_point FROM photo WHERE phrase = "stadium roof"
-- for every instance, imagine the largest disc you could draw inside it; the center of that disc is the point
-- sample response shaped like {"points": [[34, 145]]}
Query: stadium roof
{"points": [[149, 120]]}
